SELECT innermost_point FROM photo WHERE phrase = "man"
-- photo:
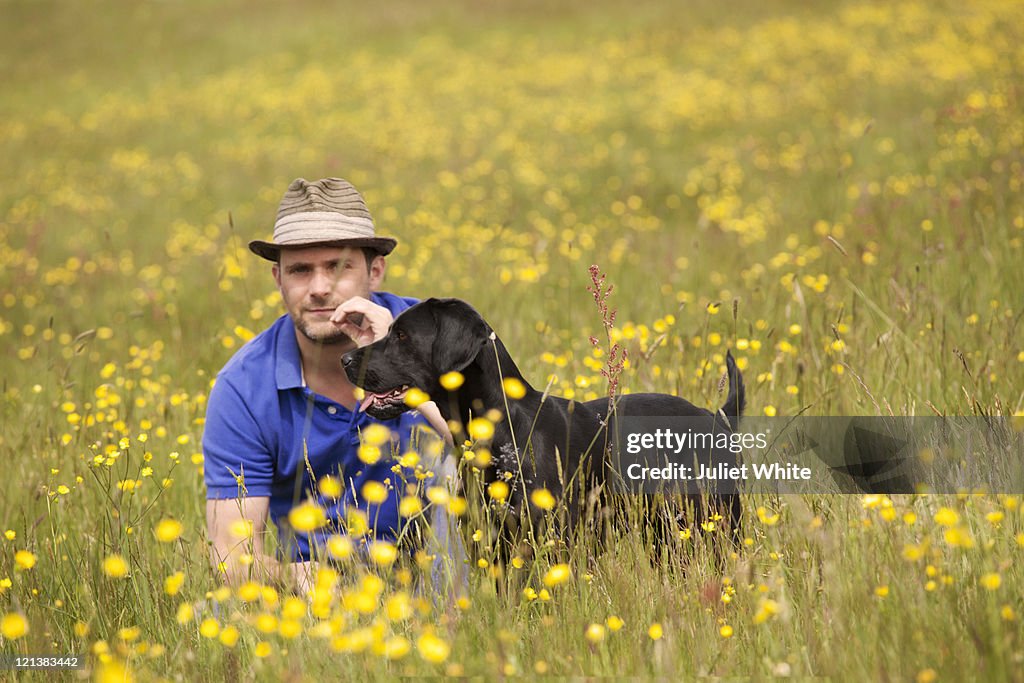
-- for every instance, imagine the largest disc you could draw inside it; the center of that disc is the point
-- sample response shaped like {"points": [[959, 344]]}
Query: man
{"points": [[282, 414]]}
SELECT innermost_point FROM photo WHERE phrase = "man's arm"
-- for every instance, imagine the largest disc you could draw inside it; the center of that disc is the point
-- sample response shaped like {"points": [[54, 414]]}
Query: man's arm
{"points": [[242, 557]]}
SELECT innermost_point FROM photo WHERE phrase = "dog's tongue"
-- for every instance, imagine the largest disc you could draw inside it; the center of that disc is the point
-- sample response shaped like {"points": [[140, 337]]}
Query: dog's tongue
{"points": [[367, 400]]}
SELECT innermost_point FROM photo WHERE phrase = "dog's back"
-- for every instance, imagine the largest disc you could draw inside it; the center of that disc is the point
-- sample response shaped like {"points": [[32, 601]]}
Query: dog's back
{"points": [[728, 506]]}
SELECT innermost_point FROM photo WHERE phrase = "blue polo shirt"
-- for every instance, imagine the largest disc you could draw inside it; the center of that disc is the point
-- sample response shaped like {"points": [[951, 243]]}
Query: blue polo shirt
{"points": [[262, 423]]}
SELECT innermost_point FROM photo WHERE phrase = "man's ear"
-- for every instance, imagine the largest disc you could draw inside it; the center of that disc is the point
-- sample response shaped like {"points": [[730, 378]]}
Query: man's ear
{"points": [[378, 266], [461, 335]]}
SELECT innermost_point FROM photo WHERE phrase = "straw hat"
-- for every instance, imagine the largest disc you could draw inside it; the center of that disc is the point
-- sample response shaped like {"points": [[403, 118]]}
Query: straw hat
{"points": [[329, 212]]}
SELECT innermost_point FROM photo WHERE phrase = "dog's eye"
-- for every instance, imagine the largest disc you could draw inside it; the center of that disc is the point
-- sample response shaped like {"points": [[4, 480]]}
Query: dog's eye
{"points": [[401, 336]]}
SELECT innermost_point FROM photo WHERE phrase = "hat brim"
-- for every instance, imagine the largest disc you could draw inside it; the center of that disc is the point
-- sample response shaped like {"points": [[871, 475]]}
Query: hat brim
{"points": [[272, 252]]}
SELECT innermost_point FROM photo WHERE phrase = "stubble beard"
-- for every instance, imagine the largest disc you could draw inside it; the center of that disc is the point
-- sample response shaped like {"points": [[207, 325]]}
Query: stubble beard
{"points": [[333, 338]]}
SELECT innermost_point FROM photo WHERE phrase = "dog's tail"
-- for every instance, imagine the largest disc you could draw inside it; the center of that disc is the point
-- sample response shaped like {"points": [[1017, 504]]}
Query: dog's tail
{"points": [[737, 398]]}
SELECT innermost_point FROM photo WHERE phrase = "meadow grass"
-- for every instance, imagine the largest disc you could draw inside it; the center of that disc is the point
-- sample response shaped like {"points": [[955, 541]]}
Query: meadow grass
{"points": [[831, 192]]}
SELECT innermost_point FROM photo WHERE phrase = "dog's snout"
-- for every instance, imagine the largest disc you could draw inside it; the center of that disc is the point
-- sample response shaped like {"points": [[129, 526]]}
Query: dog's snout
{"points": [[348, 359]]}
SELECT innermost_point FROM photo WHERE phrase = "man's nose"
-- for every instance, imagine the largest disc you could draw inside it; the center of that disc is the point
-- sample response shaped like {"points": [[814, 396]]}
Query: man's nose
{"points": [[321, 283]]}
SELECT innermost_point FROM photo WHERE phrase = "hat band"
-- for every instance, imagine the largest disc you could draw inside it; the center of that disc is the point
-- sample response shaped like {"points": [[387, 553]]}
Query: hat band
{"points": [[321, 226]]}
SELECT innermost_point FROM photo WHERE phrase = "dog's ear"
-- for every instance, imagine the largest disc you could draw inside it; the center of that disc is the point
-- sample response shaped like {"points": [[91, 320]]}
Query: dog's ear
{"points": [[461, 334]]}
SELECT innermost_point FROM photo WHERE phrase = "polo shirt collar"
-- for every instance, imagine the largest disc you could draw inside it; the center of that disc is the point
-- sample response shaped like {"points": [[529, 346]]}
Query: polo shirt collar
{"points": [[288, 363]]}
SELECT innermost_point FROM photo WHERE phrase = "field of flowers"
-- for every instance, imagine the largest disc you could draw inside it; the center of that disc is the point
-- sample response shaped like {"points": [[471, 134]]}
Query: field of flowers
{"points": [[833, 191]]}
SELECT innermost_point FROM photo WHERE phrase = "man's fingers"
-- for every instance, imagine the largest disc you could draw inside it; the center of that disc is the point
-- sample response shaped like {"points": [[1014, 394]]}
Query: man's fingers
{"points": [[363, 320]]}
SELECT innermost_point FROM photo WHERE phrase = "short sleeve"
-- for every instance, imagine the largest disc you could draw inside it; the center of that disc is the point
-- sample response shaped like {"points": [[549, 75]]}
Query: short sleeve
{"points": [[237, 461]]}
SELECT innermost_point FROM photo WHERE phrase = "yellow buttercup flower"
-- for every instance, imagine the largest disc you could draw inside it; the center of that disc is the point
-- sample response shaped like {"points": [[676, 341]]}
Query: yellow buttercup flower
{"points": [[766, 518], [266, 623], [113, 671], [129, 634], [947, 517], [958, 537], [432, 648], [655, 632], [452, 380], [396, 647], [498, 490], [115, 567], [556, 575], [24, 559], [514, 388], [375, 434], [767, 609], [357, 522], [383, 553], [595, 633], [374, 492], [185, 613], [543, 499], [409, 506], [339, 547], [438, 495], [995, 517], [241, 528], [293, 608], [369, 453], [209, 628], [398, 607], [415, 397], [480, 429], [174, 582], [913, 553], [330, 487], [458, 506], [13, 626], [307, 517], [249, 591], [991, 581], [169, 530], [229, 636], [290, 629]]}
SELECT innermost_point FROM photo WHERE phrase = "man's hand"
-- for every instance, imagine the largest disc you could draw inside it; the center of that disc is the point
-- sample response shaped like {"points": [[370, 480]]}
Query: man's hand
{"points": [[432, 414], [362, 320]]}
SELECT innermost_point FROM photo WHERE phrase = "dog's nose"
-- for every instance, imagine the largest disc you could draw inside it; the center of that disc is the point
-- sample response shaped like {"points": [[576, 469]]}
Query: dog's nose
{"points": [[348, 359]]}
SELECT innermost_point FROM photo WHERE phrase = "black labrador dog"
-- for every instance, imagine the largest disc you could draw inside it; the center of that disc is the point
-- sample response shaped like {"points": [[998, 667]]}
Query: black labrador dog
{"points": [[545, 442]]}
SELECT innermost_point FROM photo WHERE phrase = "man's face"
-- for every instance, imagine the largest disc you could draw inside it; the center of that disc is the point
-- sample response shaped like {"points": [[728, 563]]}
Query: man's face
{"points": [[315, 281]]}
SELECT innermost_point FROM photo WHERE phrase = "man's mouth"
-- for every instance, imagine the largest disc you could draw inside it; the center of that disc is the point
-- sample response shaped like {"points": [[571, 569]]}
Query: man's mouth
{"points": [[383, 400]]}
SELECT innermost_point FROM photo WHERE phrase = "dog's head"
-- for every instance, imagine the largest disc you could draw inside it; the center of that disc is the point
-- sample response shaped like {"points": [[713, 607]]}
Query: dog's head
{"points": [[426, 341]]}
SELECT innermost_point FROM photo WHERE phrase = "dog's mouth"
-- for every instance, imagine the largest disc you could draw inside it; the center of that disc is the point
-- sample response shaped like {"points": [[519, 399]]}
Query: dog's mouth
{"points": [[376, 402]]}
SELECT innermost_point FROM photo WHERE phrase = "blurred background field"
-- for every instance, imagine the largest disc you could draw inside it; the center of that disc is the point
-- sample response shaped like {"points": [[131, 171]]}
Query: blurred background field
{"points": [[832, 191]]}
